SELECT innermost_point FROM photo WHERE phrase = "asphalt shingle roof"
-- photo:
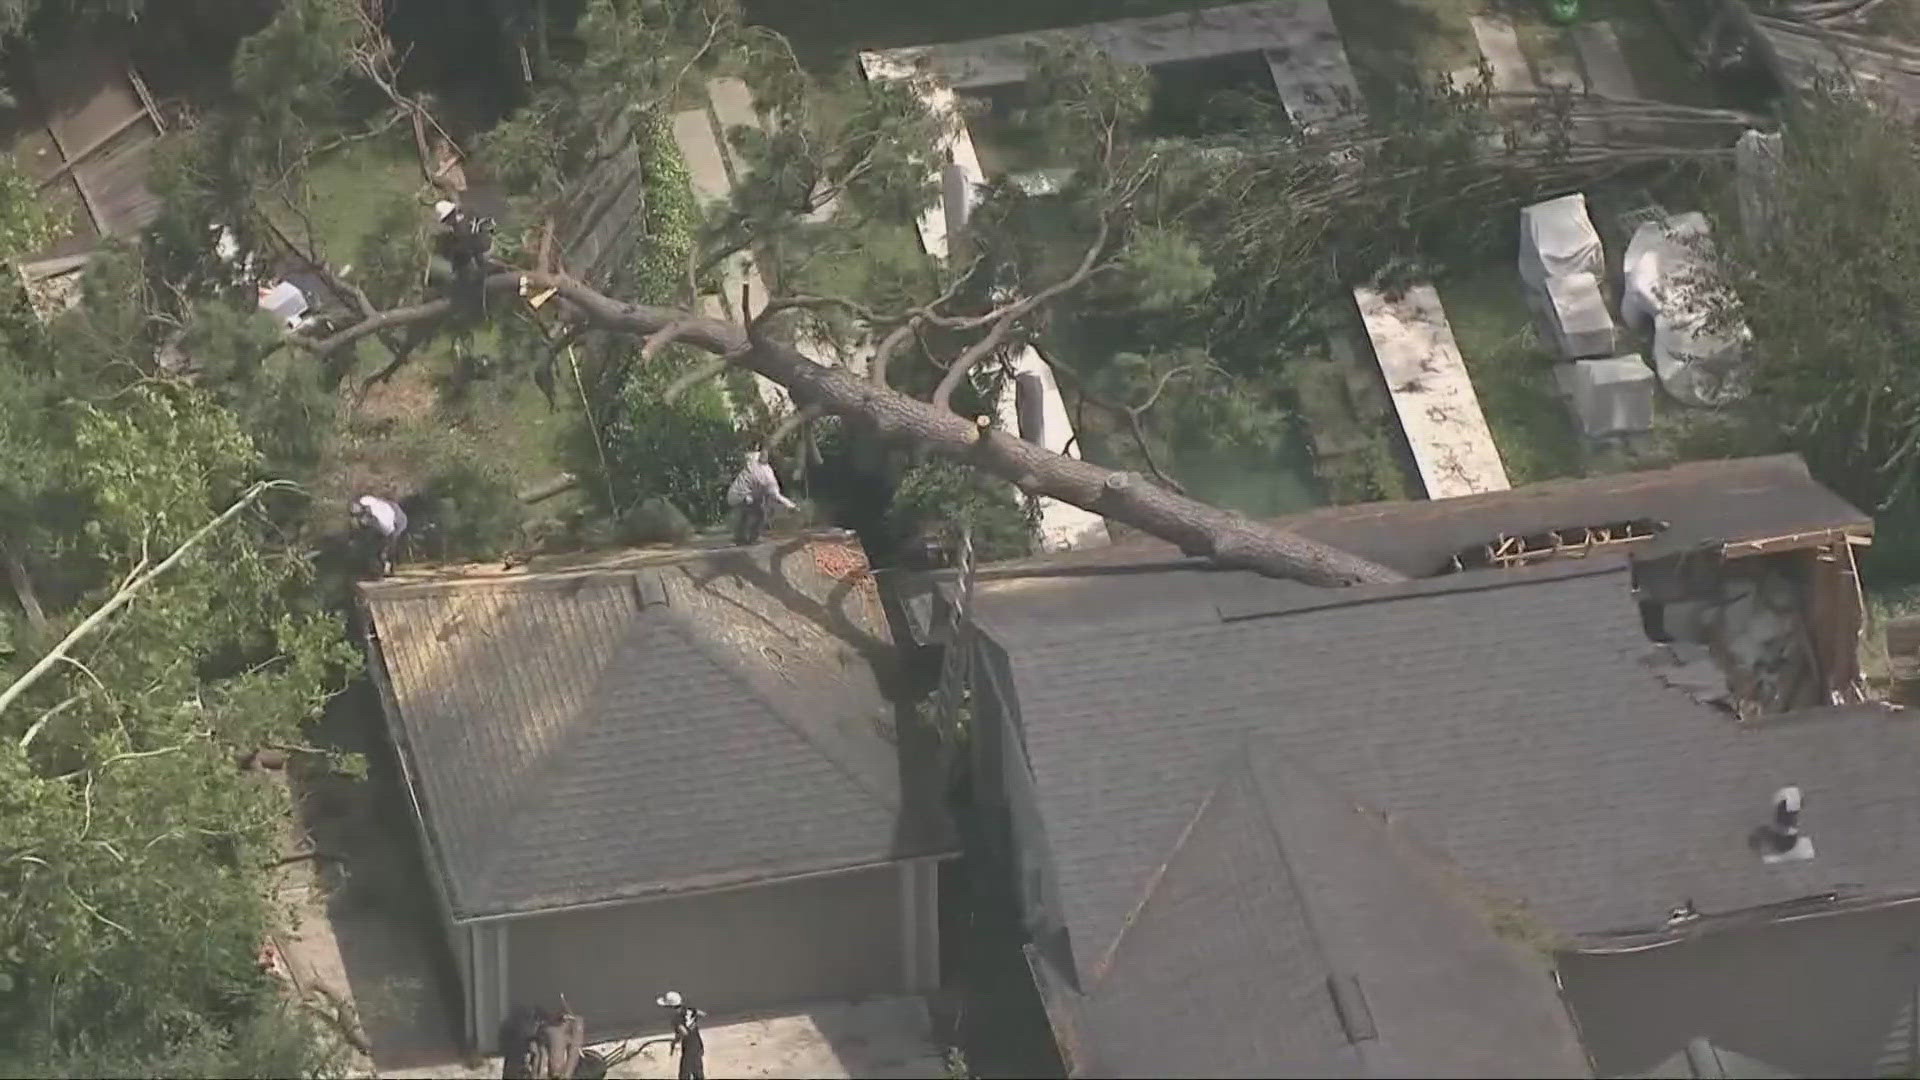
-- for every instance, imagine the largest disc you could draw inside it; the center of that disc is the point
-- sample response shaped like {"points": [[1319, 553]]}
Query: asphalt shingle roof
{"points": [[604, 734], [1504, 719], [1279, 889]]}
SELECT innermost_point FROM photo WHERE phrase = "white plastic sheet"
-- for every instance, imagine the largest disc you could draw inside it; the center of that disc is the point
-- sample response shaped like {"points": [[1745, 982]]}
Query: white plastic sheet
{"points": [[1557, 238], [1612, 396], [1573, 311], [1561, 267], [1699, 356]]}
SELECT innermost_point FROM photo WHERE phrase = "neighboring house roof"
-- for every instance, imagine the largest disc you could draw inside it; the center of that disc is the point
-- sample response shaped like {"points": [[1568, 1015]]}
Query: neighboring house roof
{"points": [[1293, 933], [1702, 1060], [1505, 721], [637, 725], [1506, 716]]}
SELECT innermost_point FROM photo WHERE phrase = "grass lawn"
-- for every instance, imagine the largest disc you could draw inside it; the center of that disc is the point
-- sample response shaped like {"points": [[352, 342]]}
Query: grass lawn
{"points": [[402, 432], [1512, 371]]}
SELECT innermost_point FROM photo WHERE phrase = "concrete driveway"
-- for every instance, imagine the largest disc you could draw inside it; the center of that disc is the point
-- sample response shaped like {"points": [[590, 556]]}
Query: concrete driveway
{"points": [[882, 1039]]}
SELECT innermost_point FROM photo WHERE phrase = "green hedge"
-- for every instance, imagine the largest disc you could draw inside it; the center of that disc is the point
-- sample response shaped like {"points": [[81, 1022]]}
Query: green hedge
{"points": [[671, 219]]}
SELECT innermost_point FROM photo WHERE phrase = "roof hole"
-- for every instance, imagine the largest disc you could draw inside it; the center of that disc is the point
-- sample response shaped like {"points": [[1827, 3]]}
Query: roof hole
{"points": [[1507, 551]]}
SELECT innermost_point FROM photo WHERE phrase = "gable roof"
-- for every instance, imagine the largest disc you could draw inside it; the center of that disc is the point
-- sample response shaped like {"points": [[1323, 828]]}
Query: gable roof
{"points": [[631, 727], [1506, 718], [1291, 934]]}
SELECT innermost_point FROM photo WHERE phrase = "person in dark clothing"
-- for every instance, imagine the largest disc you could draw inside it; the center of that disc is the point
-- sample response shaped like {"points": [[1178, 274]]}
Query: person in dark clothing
{"points": [[464, 243], [686, 1035]]}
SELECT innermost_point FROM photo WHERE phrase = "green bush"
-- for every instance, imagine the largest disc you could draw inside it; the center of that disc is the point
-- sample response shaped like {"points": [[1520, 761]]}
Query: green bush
{"points": [[686, 452], [466, 511], [672, 216]]}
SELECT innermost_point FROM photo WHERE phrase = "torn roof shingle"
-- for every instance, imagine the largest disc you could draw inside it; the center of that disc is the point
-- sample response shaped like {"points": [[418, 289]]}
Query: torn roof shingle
{"points": [[1505, 719], [610, 734]]}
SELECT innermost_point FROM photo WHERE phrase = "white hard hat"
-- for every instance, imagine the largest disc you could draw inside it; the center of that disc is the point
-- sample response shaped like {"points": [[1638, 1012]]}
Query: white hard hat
{"points": [[668, 1000], [443, 210]]}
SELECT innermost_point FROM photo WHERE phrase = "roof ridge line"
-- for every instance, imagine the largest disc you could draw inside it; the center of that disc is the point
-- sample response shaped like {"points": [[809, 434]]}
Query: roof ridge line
{"points": [[1104, 965], [1253, 744], [726, 662], [518, 810]]}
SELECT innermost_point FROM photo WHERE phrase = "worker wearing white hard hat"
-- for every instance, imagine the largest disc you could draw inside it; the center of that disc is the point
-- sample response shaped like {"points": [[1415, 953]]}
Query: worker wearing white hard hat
{"points": [[686, 1035], [443, 210]]}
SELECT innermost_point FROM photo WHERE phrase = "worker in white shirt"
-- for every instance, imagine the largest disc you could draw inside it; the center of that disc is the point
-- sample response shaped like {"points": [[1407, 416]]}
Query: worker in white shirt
{"points": [[752, 495], [385, 521]]}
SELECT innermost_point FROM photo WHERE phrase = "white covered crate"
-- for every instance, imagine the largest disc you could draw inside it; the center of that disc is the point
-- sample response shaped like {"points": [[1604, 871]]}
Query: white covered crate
{"points": [[1572, 313], [1561, 268], [1612, 396], [1557, 238]]}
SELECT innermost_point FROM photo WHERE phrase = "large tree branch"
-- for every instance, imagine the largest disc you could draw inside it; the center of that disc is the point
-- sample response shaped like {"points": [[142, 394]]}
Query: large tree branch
{"points": [[121, 598], [1197, 528], [1002, 319]]}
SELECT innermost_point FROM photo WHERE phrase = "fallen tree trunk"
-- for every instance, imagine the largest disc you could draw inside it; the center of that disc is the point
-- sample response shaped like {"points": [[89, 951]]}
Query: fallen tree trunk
{"points": [[1198, 529]]}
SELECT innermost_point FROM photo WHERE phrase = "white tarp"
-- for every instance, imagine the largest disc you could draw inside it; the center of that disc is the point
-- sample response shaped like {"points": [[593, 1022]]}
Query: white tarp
{"points": [[1561, 267], [1573, 313], [1756, 162], [1557, 238], [285, 302], [1613, 396], [1698, 355]]}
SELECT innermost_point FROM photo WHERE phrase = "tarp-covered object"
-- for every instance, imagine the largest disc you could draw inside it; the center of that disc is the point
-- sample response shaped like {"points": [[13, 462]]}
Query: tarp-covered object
{"points": [[1756, 160], [1573, 313], [1561, 267], [1557, 238], [1699, 355], [1612, 396]]}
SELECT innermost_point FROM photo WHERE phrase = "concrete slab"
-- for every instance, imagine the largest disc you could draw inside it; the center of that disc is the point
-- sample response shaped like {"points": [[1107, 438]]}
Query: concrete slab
{"points": [[701, 151], [959, 150], [1434, 397], [1606, 66], [732, 103], [1063, 526], [1555, 70], [881, 1038], [712, 183], [1500, 43], [1303, 27], [1311, 71]]}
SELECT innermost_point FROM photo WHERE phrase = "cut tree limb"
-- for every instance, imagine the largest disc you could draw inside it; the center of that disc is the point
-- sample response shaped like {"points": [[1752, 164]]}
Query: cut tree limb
{"points": [[1198, 529], [121, 598]]}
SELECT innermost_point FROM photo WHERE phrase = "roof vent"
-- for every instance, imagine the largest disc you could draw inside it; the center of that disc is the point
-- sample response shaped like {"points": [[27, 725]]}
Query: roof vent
{"points": [[1781, 840], [652, 589], [1351, 1004]]}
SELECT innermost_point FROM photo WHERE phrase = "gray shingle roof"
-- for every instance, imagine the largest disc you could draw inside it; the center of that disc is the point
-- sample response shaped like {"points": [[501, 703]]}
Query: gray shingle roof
{"points": [[1505, 720], [1278, 889], [640, 728]]}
